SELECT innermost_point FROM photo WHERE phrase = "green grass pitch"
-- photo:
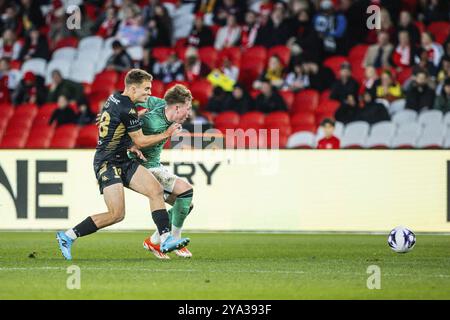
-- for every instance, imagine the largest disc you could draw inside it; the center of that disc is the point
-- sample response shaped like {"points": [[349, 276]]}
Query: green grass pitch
{"points": [[225, 266]]}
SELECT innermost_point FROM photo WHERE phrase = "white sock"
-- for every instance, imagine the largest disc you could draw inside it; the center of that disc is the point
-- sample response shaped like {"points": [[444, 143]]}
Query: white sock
{"points": [[164, 236], [176, 232], [155, 239], [71, 234]]}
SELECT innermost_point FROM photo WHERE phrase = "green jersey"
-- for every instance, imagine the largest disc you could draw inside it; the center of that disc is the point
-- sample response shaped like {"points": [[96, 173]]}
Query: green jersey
{"points": [[154, 121]]}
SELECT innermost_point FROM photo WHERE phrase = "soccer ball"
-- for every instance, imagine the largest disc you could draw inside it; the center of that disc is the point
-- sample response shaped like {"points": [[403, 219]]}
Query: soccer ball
{"points": [[401, 240]]}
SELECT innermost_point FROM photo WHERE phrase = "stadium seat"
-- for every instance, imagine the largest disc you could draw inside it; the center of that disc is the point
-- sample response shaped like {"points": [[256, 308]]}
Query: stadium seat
{"points": [[303, 121], [91, 43], [301, 140], [325, 95], [250, 71], [278, 118], [446, 144], [40, 137], [44, 114], [158, 88], [87, 138], [136, 53], [404, 116], [288, 97], [82, 71], [16, 142], [403, 141], [105, 81], [65, 136], [334, 63], [27, 110], [432, 137], [208, 55], [232, 53], [66, 42], [253, 119], [226, 120], [66, 53], [440, 30], [357, 54], [404, 75], [396, 106], [283, 52], [161, 53], [63, 66], [447, 118], [381, 135], [326, 109], [201, 90], [355, 135], [305, 100], [431, 118], [36, 65], [256, 53]]}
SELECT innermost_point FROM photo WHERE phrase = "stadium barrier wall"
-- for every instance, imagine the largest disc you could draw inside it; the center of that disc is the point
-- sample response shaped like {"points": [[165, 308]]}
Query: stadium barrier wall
{"points": [[360, 190]]}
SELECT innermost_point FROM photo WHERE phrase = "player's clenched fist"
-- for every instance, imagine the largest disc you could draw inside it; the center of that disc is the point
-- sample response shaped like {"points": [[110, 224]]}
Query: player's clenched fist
{"points": [[174, 129]]}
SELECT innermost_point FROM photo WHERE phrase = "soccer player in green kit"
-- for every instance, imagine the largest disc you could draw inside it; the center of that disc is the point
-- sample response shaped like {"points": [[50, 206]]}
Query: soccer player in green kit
{"points": [[158, 115]]}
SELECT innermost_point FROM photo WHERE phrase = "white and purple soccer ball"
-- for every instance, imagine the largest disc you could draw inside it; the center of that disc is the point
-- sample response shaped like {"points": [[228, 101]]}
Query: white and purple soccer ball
{"points": [[401, 240]]}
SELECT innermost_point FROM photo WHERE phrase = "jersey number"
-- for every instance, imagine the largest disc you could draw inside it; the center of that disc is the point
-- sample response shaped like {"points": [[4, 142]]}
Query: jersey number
{"points": [[105, 118]]}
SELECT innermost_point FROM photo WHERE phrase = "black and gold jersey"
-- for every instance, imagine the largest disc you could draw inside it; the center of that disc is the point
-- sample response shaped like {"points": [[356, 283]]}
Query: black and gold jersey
{"points": [[118, 118]]}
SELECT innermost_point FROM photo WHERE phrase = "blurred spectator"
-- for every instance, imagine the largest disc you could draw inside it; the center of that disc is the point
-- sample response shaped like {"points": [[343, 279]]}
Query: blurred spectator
{"points": [[345, 85], [433, 50], [194, 121], [193, 67], [132, 32], [403, 55], [9, 19], [249, 32], [371, 81], [223, 8], [329, 141], [216, 102], [120, 60], [225, 76], [386, 26], [35, 46], [372, 111], [10, 77], [108, 26], [406, 23], [388, 88], [127, 10], [63, 114], [85, 115], [9, 46], [4, 78], [330, 26], [434, 10], [348, 111], [262, 7], [31, 89], [296, 80], [378, 54], [442, 102], [273, 73], [239, 100], [148, 11], [269, 100], [443, 73], [201, 35], [58, 29], [170, 70], [320, 77], [419, 95], [229, 35], [274, 30], [31, 15], [423, 62], [73, 91]]}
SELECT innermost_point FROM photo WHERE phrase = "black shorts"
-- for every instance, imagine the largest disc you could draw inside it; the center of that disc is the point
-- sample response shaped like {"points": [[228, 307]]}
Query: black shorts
{"points": [[109, 173]]}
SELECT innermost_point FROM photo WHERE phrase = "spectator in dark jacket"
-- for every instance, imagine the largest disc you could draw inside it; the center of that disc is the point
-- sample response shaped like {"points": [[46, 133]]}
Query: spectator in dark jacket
{"points": [[345, 86], [63, 114], [269, 100], [73, 91], [442, 102], [420, 96], [36, 46], [85, 115], [320, 78], [120, 59], [276, 30], [170, 70], [239, 100], [216, 102], [31, 89], [371, 111], [201, 35], [348, 111]]}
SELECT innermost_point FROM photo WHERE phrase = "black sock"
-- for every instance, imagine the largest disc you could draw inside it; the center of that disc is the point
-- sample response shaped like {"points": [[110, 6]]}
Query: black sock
{"points": [[161, 219], [87, 226]]}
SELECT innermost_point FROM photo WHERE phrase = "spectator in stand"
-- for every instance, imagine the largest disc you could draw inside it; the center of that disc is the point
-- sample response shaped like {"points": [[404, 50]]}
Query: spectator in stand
{"points": [[85, 116], [274, 30], [4, 78], [239, 100], [263, 7], [120, 60], [344, 86], [348, 111], [404, 53], [372, 111], [110, 23], [11, 77], [193, 67], [378, 54], [329, 141], [31, 89], [423, 62], [229, 35], [132, 33], [433, 50], [148, 12], [269, 100], [59, 86], [35, 46], [442, 102], [388, 89], [10, 20], [386, 26], [419, 95], [371, 81], [406, 23], [201, 35], [223, 8], [170, 70], [249, 32], [434, 10], [216, 102], [274, 73], [320, 78], [9, 46], [331, 27], [63, 114], [443, 73], [296, 80], [225, 76], [31, 15]]}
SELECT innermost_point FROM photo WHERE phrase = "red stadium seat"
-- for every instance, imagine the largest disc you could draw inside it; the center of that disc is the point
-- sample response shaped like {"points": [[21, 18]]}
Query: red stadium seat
{"points": [[201, 91], [120, 83], [227, 120], [253, 119], [158, 88], [88, 137], [357, 54], [232, 53], [28, 110], [278, 118], [326, 109], [306, 100], [324, 95], [303, 121], [279, 140], [404, 75], [161, 53], [208, 115], [283, 52], [16, 142], [181, 53], [334, 63], [258, 53], [107, 77], [288, 97], [67, 42], [420, 26], [250, 71], [440, 30], [65, 136], [40, 137], [208, 55]]}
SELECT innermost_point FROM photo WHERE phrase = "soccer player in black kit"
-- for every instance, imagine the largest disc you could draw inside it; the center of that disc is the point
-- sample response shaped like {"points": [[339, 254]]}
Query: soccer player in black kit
{"points": [[119, 132]]}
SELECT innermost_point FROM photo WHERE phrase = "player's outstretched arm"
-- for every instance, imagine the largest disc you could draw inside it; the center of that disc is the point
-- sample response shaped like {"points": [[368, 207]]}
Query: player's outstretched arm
{"points": [[143, 141]]}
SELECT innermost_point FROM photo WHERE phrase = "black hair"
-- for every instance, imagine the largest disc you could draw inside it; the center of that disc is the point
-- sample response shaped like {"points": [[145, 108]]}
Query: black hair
{"points": [[327, 121]]}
